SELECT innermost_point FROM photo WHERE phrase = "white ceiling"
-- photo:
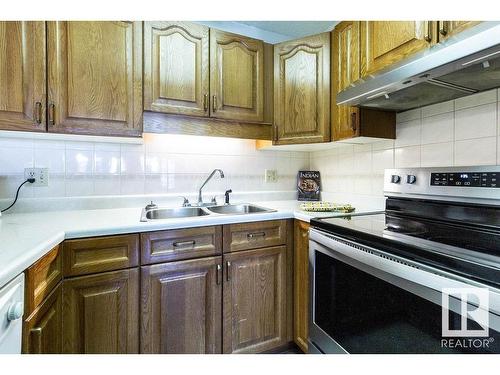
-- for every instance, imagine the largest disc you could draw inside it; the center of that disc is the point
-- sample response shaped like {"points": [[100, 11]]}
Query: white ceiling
{"points": [[273, 31]]}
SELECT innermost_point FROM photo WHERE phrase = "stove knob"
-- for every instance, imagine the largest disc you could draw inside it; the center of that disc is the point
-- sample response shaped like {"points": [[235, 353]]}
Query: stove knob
{"points": [[395, 179], [411, 179]]}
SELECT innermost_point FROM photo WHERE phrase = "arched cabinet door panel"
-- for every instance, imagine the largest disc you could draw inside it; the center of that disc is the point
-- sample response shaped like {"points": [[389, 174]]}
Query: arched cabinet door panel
{"points": [[176, 68], [302, 90], [236, 77]]}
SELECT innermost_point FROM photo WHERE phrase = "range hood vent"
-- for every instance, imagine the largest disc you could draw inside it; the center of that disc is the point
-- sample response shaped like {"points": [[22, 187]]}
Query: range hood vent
{"points": [[462, 65]]}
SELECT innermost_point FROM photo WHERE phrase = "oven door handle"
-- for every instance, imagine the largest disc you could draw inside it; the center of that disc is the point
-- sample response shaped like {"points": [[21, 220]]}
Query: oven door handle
{"points": [[419, 279]]}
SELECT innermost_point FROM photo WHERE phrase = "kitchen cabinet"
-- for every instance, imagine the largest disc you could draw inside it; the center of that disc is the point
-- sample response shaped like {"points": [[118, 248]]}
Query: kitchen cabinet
{"points": [[302, 90], [447, 29], [345, 71], [348, 122], [22, 76], [176, 68], [246, 236], [181, 307], [301, 284], [42, 329], [236, 77], [100, 313], [180, 244], [85, 256], [95, 77], [384, 43], [255, 317]]}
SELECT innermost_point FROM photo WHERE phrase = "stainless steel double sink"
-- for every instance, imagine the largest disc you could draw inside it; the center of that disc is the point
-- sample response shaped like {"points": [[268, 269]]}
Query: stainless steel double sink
{"points": [[229, 209]]}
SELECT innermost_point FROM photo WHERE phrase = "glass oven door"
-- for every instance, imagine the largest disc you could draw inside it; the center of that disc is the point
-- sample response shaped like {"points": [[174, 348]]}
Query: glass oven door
{"points": [[364, 301]]}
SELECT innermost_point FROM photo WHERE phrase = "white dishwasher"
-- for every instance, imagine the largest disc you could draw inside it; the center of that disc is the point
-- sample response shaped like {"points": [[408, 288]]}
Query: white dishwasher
{"points": [[11, 313]]}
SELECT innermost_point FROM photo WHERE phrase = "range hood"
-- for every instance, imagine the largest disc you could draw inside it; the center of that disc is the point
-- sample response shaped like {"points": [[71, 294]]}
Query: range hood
{"points": [[462, 65]]}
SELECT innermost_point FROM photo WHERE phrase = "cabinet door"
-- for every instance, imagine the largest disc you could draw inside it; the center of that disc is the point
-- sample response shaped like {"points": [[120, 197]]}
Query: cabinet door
{"points": [[450, 28], [255, 300], [176, 68], [22, 76], [236, 77], [42, 331], [345, 71], [100, 313], [386, 42], [302, 90], [95, 77], [181, 307]]}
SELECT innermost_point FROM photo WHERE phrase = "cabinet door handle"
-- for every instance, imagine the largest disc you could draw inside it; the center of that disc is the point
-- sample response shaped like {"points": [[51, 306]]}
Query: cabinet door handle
{"points": [[428, 32], [214, 103], [218, 274], [184, 243], [353, 121], [38, 112], [205, 102], [228, 270], [257, 234], [52, 114], [443, 30]]}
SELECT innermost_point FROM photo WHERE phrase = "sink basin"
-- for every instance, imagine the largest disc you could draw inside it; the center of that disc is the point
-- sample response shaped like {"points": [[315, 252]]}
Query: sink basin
{"points": [[170, 213], [239, 209]]}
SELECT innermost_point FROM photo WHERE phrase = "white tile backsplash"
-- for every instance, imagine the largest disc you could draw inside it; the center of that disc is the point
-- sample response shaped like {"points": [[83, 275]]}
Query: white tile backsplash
{"points": [[175, 164], [438, 128], [465, 131], [481, 151], [476, 122], [436, 154]]}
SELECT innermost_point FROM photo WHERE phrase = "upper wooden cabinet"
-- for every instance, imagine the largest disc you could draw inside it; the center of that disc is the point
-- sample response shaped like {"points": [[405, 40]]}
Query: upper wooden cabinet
{"points": [[176, 68], [236, 76], [447, 29], [22, 76], [95, 77], [345, 71], [386, 42], [352, 122], [302, 90]]}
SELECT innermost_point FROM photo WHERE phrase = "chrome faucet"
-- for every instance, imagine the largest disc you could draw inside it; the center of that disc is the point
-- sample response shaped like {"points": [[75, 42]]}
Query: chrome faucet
{"points": [[200, 199]]}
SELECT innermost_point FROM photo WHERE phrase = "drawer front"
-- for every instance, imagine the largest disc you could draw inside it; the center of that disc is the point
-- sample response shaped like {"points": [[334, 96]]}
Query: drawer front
{"points": [[248, 236], [100, 254], [178, 244], [41, 278]]}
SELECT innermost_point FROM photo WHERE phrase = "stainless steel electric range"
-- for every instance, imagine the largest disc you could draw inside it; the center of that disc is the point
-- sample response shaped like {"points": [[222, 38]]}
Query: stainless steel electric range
{"points": [[423, 276]]}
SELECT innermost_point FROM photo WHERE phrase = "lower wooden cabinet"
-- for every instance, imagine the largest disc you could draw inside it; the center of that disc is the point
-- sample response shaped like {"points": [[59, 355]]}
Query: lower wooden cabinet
{"points": [[100, 313], [301, 284], [181, 307], [42, 329], [255, 317]]}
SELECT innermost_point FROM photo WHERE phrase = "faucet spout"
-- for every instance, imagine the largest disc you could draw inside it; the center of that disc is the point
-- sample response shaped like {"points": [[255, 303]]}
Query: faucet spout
{"points": [[200, 199]]}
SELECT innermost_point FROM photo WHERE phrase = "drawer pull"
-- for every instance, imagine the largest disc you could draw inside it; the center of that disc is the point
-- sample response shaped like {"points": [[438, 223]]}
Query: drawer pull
{"points": [[228, 271], [257, 234], [184, 243], [218, 274]]}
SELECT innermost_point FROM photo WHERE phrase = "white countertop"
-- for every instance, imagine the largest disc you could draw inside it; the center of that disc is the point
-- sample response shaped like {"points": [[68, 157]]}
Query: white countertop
{"points": [[26, 237]]}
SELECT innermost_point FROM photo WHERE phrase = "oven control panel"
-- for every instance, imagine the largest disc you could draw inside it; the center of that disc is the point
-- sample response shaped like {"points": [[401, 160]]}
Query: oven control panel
{"points": [[466, 179]]}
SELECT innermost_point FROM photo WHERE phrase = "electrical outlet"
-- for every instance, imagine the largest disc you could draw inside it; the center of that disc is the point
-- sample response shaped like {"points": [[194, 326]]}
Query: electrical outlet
{"points": [[41, 176], [271, 175]]}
